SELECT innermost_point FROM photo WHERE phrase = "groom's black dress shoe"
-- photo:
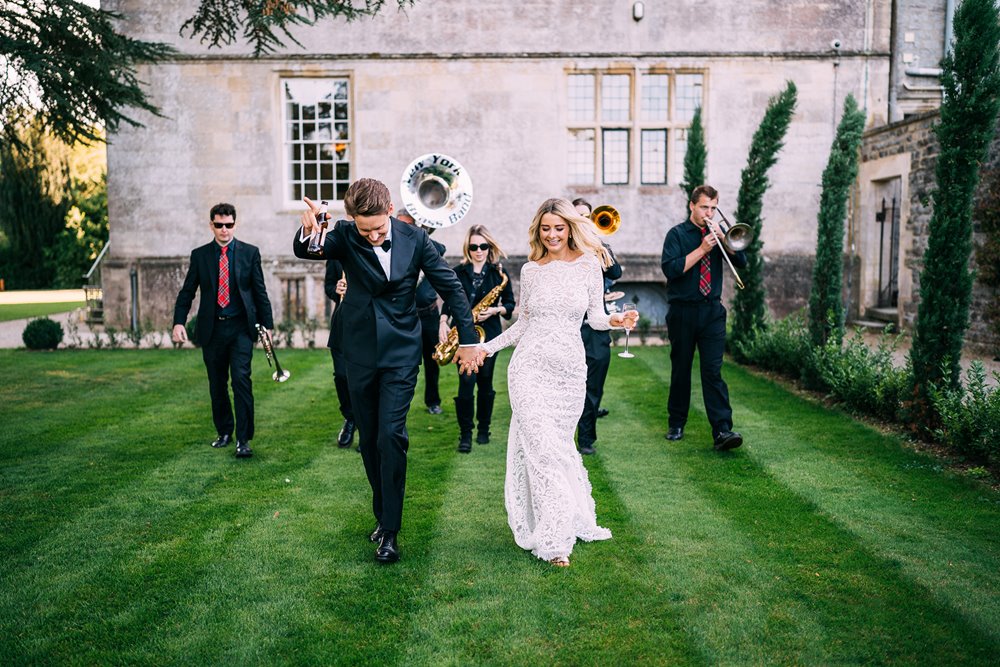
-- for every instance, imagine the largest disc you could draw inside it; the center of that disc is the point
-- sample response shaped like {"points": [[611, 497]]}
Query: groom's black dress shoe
{"points": [[674, 433], [376, 534], [601, 412], [346, 436], [727, 440], [387, 551], [222, 441], [243, 450]]}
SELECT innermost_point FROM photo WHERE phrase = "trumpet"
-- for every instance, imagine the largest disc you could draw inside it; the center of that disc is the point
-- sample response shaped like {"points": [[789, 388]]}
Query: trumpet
{"points": [[735, 237], [280, 375], [606, 219]]}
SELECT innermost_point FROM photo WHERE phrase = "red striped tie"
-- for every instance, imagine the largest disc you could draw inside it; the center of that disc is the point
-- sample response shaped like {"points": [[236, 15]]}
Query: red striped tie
{"points": [[223, 299], [705, 282]]}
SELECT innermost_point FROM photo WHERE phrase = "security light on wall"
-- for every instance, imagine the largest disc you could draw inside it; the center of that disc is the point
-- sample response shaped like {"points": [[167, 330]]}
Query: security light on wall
{"points": [[638, 10]]}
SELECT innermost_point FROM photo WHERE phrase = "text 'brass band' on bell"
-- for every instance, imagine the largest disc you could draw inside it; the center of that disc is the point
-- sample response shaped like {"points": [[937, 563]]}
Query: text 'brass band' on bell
{"points": [[436, 190]]}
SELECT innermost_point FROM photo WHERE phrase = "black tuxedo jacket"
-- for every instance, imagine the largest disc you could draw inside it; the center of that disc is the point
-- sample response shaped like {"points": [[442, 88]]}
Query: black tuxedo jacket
{"points": [[245, 275], [492, 326], [380, 324], [334, 270]]}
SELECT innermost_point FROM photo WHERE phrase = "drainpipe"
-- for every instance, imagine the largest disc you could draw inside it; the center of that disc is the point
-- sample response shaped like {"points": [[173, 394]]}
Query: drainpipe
{"points": [[894, 113], [949, 16], [134, 283]]}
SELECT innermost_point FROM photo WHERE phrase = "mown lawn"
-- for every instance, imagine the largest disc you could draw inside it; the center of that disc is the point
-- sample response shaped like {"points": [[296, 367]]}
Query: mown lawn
{"points": [[126, 539], [20, 311]]}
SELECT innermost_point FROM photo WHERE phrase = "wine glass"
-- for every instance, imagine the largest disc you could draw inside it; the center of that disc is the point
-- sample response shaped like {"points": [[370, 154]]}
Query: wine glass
{"points": [[626, 354]]}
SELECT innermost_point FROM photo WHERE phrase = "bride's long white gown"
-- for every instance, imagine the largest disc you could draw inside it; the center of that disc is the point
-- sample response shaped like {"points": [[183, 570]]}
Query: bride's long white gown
{"points": [[547, 491]]}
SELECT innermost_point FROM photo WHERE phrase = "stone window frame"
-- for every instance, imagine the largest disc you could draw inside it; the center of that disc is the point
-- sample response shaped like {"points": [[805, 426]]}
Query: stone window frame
{"points": [[305, 169], [587, 159]]}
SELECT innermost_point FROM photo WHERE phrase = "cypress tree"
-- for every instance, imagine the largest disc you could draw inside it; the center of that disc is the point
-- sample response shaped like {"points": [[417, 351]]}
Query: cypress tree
{"points": [[826, 312], [971, 81], [749, 307], [694, 156]]}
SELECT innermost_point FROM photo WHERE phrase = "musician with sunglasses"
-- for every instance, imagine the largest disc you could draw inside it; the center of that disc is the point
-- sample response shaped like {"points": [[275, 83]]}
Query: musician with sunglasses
{"points": [[233, 301], [479, 272]]}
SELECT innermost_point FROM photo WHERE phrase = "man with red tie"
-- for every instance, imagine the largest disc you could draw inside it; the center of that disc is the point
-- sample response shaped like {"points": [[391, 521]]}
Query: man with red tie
{"points": [[693, 264], [233, 301]]}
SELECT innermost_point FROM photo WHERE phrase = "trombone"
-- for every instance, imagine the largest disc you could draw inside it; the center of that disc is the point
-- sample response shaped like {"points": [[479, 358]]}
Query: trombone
{"points": [[736, 237]]}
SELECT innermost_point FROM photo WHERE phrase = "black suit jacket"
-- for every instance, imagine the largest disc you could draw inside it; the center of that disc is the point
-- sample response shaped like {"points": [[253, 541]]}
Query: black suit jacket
{"points": [[334, 270], [492, 326], [245, 275], [381, 327]]}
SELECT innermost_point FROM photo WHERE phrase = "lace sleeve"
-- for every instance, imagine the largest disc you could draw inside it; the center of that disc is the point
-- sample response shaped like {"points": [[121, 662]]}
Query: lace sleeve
{"points": [[516, 330], [597, 317]]}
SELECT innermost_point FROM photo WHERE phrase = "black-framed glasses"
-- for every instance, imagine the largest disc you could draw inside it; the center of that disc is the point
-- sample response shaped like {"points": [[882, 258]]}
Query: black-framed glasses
{"points": [[482, 246], [227, 225]]}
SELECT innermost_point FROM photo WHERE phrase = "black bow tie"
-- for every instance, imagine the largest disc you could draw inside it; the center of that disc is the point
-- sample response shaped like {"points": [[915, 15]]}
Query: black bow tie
{"points": [[386, 245]]}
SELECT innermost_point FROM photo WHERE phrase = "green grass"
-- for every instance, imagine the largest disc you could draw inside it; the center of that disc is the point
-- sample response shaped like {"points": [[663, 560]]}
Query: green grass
{"points": [[125, 539], [21, 311]]}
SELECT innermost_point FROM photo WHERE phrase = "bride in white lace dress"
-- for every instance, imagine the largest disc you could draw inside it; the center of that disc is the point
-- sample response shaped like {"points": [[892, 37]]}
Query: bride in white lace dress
{"points": [[547, 492]]}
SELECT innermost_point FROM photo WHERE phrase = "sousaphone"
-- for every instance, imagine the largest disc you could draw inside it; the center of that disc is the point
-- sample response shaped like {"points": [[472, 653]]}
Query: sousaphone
{"points": [[436, 190]]}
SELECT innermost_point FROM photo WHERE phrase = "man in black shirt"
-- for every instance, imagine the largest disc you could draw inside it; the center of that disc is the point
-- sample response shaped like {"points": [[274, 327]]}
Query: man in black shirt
{"points": [[693, 265]]}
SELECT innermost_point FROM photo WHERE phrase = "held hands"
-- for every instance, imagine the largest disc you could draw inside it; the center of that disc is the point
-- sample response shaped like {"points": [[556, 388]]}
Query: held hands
{"points": [[626, 320], [469, 359]]}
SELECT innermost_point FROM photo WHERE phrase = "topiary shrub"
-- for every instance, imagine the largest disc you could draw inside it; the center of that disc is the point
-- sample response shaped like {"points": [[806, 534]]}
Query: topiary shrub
{"points": [[42, 334]]}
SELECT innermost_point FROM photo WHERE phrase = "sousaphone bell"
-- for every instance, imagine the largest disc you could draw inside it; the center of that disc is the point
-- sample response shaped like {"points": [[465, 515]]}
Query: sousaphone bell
{"points": [[436, 190]]}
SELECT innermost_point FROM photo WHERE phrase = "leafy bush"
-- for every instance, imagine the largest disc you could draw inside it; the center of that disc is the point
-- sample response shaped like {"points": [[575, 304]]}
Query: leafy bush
{"points": [[865, 379], [782, 346], [42, 334], [286, 333], [970, 416]]}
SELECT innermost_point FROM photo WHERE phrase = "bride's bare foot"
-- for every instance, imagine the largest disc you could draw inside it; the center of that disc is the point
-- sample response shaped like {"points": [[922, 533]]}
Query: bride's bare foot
{"points": [[560, 561]]}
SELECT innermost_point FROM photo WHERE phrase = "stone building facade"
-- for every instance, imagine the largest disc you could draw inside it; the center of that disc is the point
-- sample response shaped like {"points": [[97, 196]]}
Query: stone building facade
{"points": [[535, 98], [897, 171]]}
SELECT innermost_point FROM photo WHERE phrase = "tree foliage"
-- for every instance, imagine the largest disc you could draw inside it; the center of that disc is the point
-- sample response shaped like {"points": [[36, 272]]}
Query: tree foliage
{"points": [[987, 215], [826, 312], [749, 307], [971, 81], [34, 187], [265, 24], [66, 62], [695, 156]]}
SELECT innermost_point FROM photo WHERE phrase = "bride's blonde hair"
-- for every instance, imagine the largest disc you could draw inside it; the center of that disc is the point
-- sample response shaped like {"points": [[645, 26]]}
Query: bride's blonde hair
{"points": [[582, 236]]}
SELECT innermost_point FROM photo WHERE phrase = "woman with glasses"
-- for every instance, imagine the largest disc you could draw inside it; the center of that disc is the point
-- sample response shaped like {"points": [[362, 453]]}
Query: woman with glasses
{"points": [[479, 272]]}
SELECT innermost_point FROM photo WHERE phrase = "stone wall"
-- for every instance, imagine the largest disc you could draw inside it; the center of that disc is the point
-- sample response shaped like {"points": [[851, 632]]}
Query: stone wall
{"points": [[915, 138]]}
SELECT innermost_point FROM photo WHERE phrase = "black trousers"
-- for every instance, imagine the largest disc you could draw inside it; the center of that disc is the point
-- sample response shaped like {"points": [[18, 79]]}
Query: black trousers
{"points": [[340, 383], [597, 347], [700, 326], [381, 398], [228, 355], [432, 372]]}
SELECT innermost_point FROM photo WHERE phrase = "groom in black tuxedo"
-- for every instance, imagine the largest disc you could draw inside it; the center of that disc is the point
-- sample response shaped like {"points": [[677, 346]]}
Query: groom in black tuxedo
{"points": [[383, 258], [233, 301]]}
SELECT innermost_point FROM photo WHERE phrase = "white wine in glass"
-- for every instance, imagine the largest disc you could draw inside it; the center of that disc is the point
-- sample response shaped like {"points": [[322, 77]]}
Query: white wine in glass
{"points": [[626, 354]]}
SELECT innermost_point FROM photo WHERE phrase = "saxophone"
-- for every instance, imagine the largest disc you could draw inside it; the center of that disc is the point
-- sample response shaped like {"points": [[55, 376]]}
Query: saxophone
{"points": [[445, 352]]}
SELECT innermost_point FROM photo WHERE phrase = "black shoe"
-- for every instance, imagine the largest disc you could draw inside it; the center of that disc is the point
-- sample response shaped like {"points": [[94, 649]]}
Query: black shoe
{"points": [[587, 449], [675, 433], [376, 534], [346, 436], [434, 409], [465, 443], [483, 437], [387, 551], [222, 441], [243, 450], [727, 440], [601, 412]]}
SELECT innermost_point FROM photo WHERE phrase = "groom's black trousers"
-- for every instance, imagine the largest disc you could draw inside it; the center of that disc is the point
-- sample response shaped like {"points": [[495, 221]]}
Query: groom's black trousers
{"points": [[380, 399]]}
